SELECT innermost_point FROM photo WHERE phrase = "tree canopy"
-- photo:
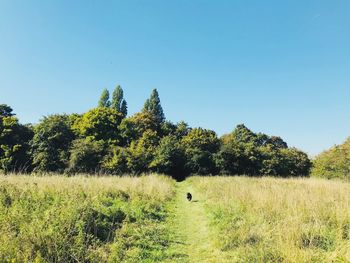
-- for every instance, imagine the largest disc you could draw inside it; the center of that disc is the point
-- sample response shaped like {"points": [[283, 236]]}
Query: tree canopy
{"points": [[14, 142], [153, 106], [334, 162], [104, 100], [118, 101], [104, 139]]}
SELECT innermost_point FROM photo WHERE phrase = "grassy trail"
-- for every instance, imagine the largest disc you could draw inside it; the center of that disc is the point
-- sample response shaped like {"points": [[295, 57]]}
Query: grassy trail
{"points": [[193, 241]]}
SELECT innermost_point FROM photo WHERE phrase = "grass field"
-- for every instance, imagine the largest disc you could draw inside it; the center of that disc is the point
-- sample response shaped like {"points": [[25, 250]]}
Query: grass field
{"points": [[278, 220], [79, 219], [148, 219]]}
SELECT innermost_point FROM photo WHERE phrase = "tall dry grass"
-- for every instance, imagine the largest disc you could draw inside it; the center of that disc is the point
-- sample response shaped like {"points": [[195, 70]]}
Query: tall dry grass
{"points": [[155, 186], [279, 220], [84, 219]]}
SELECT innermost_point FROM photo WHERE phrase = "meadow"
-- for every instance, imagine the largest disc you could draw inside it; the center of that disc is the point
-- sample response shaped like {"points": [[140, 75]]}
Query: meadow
{"points": [[83, 219], [148, 219], [278, 220]]}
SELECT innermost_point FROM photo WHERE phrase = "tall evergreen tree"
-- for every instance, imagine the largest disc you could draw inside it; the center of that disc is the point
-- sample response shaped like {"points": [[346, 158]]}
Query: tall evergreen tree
{"points": [[118, 102], [153, 106], [104, 99], [124, 108], [5, 111]]}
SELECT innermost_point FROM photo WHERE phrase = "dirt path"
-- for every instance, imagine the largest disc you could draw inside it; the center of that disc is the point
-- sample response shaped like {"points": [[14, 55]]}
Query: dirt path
{"points": [[192, 235]]}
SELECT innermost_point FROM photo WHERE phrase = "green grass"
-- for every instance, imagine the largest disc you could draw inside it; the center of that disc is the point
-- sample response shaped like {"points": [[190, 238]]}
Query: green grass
{"points": [[81, 219], [148, 219], [278, 220], [193, 239]]}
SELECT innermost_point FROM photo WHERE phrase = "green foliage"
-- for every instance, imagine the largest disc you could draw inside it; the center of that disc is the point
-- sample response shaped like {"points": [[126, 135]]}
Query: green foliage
{"points": [[141, 152], [57, 219], [169, 158], [118, 101], [246, 153], [134, 127], [238, 158], [50, 145], [14, 142], [295, 162], [116, 161], [100, 123], [182, 129], [200, 146], [5, 111], [284, 162], [86, 155], [203, 139], [167, 128], [124, 108], [240, 153], [153, 106], [105, 140], [333, 163], [104, 100]]}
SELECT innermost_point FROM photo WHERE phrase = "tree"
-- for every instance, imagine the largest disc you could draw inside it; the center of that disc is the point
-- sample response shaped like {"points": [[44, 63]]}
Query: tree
{"points": [[14, 142], [203, 139], [124, 108], [153, 106], [200, 146], [104, 100], [272, 162], [295, 162], [242, 134], [179, 130], [99, 123], [274, 141], [182, 129], [86, 155], [238, 158], [132, 128], [239, 152], [284, 162], [169, 158], [333, 163], [167, 128], [115, 162], [5, 111], [50, 145], [118, 101], [243, 152], [141, 152]]}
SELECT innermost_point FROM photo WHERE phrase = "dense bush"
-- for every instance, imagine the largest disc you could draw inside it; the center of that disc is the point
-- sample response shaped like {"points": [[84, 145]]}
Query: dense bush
{"points": [[86, 155], [169, 158], [104, 139], [100, 123], [51, 142], [244, 152], [14, 142], [333, 163], [200, 146]]}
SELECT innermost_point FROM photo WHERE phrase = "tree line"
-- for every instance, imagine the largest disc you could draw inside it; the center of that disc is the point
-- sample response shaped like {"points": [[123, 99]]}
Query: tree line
{"points": [[334, 162], [106, 140]]}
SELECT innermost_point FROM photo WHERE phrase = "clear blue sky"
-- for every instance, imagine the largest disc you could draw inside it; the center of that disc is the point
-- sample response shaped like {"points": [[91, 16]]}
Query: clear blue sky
{"points": [[280, 67]]}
